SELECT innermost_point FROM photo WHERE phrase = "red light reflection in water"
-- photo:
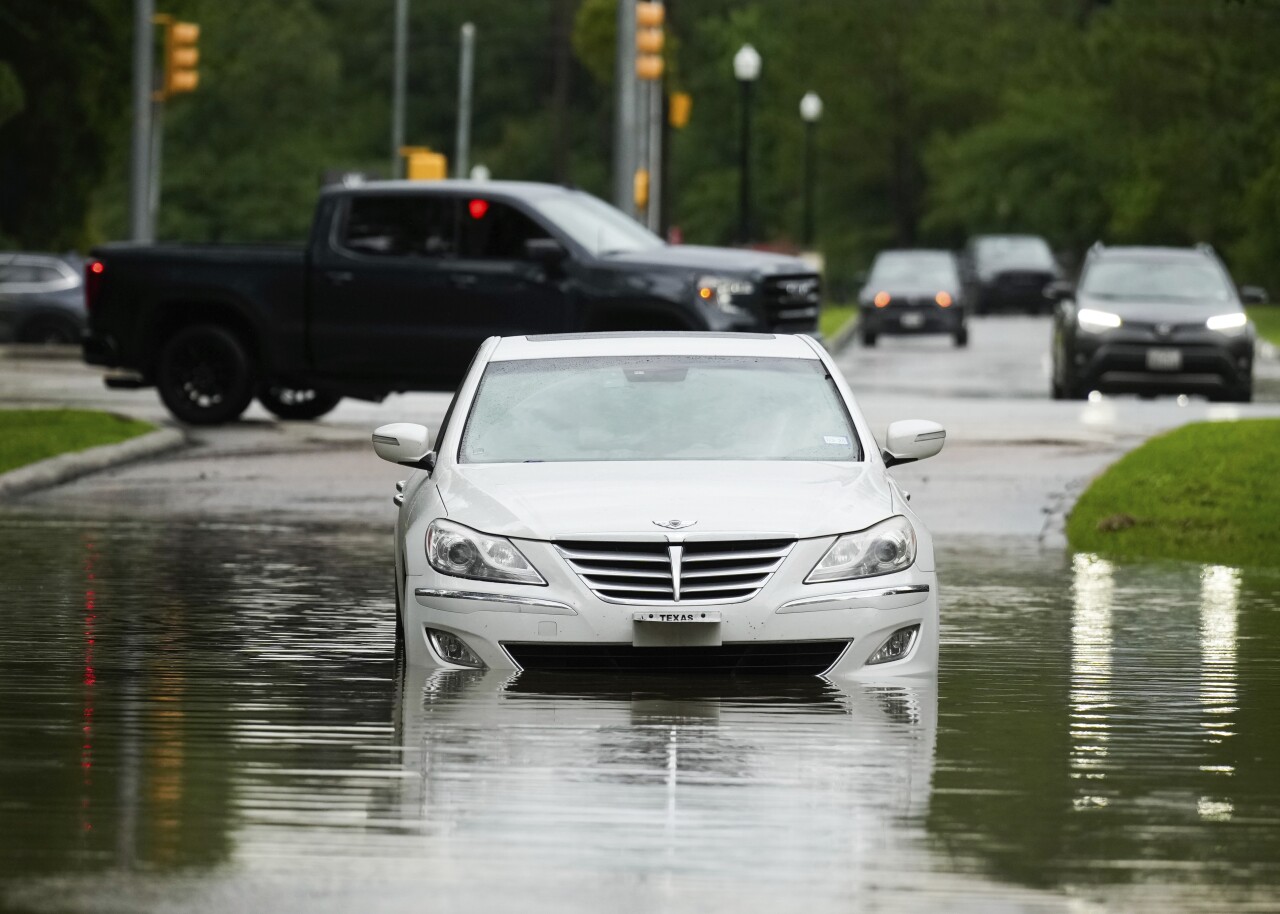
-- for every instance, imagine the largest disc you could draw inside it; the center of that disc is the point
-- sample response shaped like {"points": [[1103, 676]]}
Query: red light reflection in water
{"points": [[88, 680]]}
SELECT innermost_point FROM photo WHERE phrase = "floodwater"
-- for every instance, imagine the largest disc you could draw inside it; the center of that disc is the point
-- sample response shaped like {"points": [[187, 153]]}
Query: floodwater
{"points": [[209, 718]]}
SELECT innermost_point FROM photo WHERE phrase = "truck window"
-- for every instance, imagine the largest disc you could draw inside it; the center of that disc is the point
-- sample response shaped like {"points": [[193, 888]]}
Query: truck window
{"points": [[495, 231], [400, 226]]}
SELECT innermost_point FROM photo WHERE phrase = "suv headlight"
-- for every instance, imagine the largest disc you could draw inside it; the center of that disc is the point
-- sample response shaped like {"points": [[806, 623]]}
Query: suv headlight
{"points": [[1230, 324], [722, 290], [1097, 321], [887, 547], [465, 553]]}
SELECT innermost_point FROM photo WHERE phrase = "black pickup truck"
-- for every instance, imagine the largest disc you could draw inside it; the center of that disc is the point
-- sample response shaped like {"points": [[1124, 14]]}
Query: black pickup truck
{"points": [[398, 285]]}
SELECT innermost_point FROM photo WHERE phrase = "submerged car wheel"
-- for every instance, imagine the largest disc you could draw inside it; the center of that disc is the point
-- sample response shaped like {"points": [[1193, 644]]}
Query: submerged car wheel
{"points": [[296, 402], [205, 375]]}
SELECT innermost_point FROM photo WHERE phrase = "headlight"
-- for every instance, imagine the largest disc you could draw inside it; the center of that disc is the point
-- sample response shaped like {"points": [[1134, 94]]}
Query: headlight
{"points": [[722, 290], [466, 553], [887, 547], [1097, 321], [1228, 323]]}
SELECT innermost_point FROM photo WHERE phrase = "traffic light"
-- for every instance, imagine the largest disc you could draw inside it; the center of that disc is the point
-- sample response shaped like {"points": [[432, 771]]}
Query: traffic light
{"points": [[679, 107], [649, 39], [423, 164], [180, 57]]}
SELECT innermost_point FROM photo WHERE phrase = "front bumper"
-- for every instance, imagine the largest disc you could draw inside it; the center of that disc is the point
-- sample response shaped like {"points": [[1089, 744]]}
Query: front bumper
{"points": [[500, 623], [1120, 363]]}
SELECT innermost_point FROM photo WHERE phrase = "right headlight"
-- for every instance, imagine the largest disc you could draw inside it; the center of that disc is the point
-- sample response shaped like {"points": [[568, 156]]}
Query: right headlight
{"points": [[1230, 324], [1097, 321], [887, 547], [722, 290], [466, 553]]}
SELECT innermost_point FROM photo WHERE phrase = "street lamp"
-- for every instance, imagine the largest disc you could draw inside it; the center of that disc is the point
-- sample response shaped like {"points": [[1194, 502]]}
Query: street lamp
{"points": [[746, 68], [811, 113]]}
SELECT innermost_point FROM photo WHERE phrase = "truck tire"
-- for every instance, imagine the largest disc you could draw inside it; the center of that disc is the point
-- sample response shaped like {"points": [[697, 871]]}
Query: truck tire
{"points": [[205, 375], [302, 403]]}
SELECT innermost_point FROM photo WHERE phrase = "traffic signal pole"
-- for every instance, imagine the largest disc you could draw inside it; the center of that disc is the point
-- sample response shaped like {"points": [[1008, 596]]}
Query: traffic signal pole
{"points": [[140, 226], [400, 42], [466, 79], [625, 114]]}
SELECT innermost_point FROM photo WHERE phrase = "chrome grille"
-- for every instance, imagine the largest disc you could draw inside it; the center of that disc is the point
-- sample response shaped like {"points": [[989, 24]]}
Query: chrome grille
{"points": [[791, 303], [687, 573]]}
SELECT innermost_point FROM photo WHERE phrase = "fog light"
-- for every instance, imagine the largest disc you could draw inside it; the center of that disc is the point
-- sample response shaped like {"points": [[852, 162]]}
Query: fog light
{"points": [[453, 649], [896, 646]]}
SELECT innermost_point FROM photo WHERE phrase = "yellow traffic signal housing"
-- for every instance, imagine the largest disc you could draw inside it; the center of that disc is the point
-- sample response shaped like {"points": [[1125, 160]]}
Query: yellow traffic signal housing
{"points": [[650, 14], [649, 39], [681, 106], [181, 57], [640, 188], [424, 164]]}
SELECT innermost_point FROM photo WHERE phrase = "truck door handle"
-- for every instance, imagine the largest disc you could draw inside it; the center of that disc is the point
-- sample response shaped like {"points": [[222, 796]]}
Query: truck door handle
{"points": [[463, 280], [339, 277]]}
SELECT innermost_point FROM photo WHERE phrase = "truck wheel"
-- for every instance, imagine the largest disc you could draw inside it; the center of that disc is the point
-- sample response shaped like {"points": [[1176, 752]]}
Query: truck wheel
{"points": [[205, 375], [296, 402]]}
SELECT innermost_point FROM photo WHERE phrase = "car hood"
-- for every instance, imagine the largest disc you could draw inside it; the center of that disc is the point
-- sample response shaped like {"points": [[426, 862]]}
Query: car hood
{"points": [[547, 501], [1159, 312], [698, 257]]}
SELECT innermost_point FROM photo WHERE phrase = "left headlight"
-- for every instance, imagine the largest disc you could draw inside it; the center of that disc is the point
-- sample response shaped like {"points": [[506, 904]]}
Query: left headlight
{"points": [[722, 290], [887, 547], [465, 553]]}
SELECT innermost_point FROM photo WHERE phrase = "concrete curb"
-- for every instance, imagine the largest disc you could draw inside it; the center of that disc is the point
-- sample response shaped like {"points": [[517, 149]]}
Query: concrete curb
{"points": [[842, 337], [19, 351], [66, 467]]}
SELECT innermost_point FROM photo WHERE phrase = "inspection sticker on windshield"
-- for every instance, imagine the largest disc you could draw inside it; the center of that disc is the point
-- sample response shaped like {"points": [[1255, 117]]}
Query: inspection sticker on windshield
{"points": [[835, 439]]}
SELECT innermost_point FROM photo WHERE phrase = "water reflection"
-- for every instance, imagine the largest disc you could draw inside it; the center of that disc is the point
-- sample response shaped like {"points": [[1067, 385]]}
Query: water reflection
{"points": [[195, 715]]}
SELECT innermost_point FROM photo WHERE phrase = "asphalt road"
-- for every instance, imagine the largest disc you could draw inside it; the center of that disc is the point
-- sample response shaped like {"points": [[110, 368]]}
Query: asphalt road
{"points": [[1014, 458]]}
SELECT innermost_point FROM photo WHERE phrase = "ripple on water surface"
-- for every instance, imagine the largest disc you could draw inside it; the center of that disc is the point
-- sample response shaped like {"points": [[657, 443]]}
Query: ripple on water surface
{"points": [[209, 717]]}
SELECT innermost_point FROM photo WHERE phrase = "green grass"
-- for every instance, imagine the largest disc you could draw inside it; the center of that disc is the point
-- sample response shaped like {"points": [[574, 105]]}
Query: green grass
{"points": [[835, 317], [1267, 320], [1208, 492], [28, 435]]}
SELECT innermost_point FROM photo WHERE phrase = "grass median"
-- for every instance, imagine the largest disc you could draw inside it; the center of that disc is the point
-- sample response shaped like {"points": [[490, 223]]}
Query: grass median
{"points": [[1267, 319], [1207, 492], [29, 435], [833, 319]]}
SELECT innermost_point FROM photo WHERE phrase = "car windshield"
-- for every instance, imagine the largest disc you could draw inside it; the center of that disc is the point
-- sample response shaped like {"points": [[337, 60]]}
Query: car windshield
{"points": [[1021, 252], [1169, 280], [931, 271], [596, 225], [657, 408]]}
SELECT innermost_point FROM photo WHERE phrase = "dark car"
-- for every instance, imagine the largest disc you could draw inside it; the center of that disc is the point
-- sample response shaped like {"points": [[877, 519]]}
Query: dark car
{"points": [[399, 284], [1153, 320], [1009, 273], [41, 298], [912, 292]]}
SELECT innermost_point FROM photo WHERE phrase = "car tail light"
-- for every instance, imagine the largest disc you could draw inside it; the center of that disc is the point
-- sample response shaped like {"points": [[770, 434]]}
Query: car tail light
{"points": [[943, 300], [93, 273]]}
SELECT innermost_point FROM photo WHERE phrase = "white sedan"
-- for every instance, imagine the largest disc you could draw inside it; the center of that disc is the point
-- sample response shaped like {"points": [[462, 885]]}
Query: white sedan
{"points": [[661, 501]]}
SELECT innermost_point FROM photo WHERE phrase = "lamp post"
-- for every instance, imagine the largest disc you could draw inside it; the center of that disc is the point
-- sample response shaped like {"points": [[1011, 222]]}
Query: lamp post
{"points": [[746, 69], [811, 113]]}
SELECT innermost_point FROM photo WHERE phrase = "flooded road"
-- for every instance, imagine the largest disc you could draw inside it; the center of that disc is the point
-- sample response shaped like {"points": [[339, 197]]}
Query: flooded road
{"points": [[208, 717]]}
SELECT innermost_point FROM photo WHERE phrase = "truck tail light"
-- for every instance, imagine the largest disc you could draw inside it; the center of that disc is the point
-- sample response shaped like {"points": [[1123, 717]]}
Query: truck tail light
{"points": [[93, 273]]}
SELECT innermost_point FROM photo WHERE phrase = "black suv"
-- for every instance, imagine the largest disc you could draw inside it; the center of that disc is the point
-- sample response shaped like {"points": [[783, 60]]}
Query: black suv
{"points": [[1153, 320], [1008, 273], [912, 292]]}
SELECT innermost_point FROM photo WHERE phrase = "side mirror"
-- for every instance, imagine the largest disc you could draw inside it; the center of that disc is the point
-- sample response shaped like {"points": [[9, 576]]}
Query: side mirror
{"points": [[912, 439], [1059, 290], [1254, 295], [545, 251], [404, 443]]}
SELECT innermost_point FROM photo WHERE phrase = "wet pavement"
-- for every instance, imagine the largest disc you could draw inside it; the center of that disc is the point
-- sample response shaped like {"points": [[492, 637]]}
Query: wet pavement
{"points": [[208, 717]]}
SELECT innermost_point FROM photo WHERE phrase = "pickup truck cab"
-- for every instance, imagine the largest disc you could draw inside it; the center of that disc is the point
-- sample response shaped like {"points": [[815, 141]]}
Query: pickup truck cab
{"points": [[399, 284]]}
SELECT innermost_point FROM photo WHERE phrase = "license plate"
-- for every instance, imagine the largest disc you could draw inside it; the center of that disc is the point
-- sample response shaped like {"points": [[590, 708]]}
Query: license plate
{"points": [[913, 320], [1164, 359], [692, 616]]}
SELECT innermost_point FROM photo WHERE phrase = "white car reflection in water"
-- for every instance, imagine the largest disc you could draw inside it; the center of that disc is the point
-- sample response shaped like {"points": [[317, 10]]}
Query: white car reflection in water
{"points": [[680, 501], [659, 786]]}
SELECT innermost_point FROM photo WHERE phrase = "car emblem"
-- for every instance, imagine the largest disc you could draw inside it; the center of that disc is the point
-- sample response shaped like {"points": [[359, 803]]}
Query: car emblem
{"points": [[675, 524], [800, 287], [1164, 329]]}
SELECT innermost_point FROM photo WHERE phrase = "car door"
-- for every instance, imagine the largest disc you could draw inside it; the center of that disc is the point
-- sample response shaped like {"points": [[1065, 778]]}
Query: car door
{"points": [[498, 288], [382, 308]]}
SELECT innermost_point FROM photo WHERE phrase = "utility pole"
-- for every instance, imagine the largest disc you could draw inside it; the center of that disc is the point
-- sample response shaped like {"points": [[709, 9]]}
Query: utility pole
{"points": [[466, 79], [624, 113], [401, 53], [140, 228]]}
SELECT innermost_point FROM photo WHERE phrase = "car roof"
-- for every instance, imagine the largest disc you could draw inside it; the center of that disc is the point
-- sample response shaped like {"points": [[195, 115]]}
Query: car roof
{"points": [[916, 252], [657, 343], [1147, 252], [523, 189]]}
